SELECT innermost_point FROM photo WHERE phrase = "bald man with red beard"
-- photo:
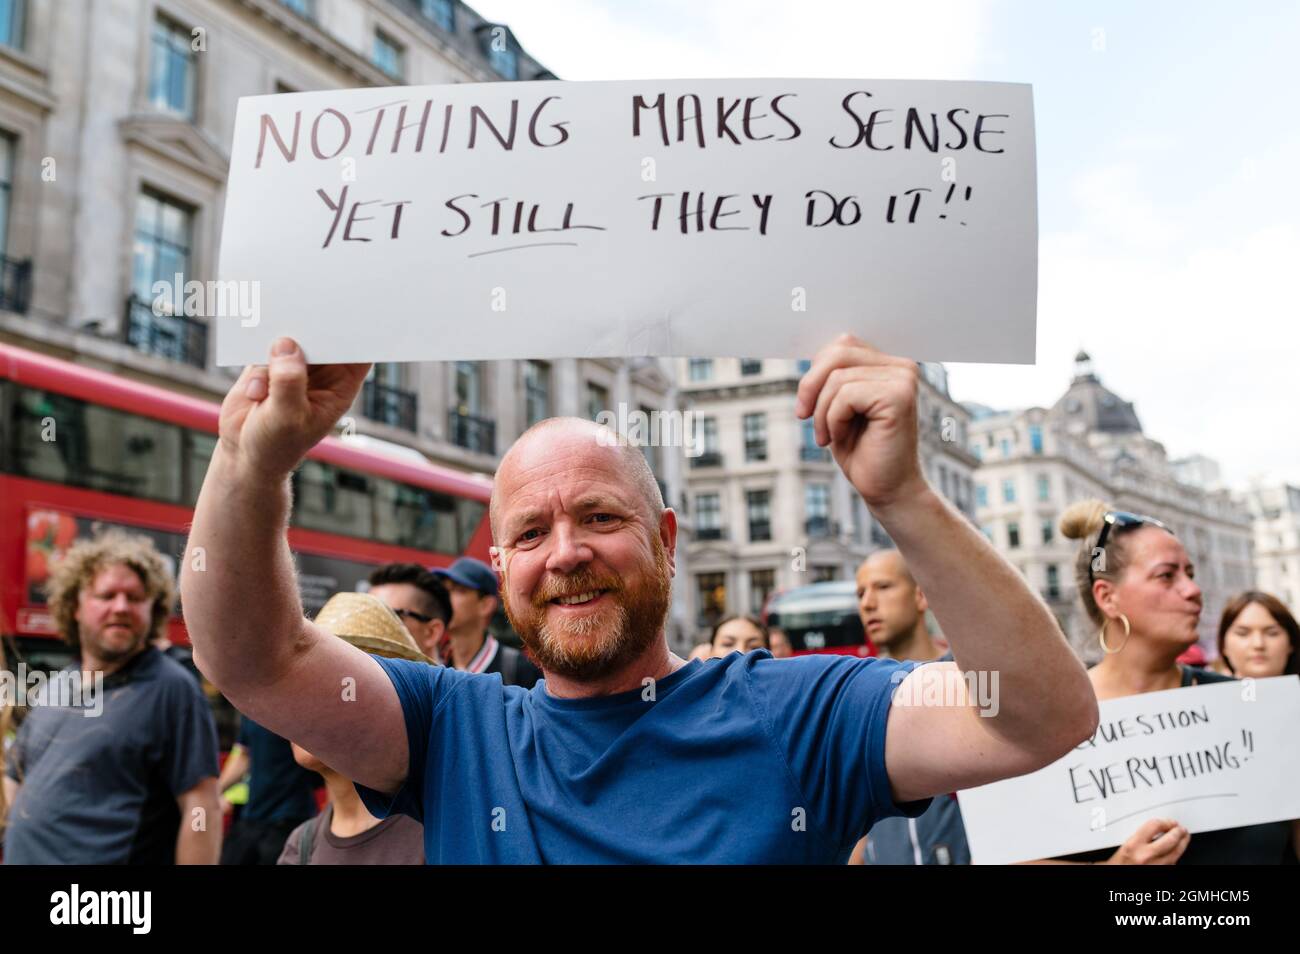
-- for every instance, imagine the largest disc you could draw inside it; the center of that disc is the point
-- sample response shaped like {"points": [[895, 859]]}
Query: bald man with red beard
{"points": [[625, 752]]}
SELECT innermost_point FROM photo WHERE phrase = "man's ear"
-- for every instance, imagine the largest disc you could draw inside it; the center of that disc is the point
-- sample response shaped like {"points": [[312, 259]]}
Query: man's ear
{"points": [[922, 604], [668, 537]]}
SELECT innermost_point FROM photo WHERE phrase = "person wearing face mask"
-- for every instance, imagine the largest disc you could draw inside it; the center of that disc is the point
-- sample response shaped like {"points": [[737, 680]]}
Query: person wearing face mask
{"points": [[1138, 586], [1258, 637]]}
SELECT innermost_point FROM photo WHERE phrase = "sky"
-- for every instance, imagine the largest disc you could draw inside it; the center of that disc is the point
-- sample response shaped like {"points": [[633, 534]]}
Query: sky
{"points": [[1168, 148]]}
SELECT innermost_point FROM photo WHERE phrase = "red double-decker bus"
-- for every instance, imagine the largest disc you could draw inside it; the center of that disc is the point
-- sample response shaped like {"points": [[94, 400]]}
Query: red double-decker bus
{"points": [[81, 449]]}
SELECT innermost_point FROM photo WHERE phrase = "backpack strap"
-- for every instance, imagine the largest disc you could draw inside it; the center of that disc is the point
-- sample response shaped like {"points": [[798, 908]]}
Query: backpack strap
{"points": [[308, 840]]}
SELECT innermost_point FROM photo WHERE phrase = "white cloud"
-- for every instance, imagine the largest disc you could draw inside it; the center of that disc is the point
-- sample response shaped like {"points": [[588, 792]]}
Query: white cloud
{"points": [[1202, 334], [590, 40]]}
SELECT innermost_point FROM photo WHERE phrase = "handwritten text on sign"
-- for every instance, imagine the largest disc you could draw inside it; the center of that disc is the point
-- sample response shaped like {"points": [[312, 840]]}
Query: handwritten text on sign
{"points": [[635, 218], [1213, 756]]}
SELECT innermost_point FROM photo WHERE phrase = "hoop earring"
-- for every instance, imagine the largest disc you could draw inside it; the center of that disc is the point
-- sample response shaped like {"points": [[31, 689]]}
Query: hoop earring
{"points": [[1101, 636]]}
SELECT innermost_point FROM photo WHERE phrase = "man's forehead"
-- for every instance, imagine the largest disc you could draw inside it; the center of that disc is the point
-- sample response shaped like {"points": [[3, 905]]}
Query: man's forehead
{"points": [[886, 564], [565, 488], [117, 574]]}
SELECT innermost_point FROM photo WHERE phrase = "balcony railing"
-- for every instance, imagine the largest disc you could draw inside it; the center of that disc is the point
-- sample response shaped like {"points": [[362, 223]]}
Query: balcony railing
{"points": [[707, 459], [178, 337], [815, 453], [821, 527], [15, 284], [473, 433], [710, 533], [389, 405]]}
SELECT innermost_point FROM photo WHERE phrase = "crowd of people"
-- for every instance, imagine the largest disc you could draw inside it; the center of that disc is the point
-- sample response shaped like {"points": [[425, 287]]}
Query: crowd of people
{"points": [[436, 743]]}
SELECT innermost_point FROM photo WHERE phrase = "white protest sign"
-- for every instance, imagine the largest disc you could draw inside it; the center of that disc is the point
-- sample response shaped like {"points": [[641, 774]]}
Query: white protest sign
{"points": [[704, 217], [1213, 756]]}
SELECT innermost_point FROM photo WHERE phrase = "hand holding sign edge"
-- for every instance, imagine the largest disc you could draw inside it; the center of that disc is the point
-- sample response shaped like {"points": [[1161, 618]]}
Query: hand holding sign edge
{"points": [[863, 404], [275, 413]]}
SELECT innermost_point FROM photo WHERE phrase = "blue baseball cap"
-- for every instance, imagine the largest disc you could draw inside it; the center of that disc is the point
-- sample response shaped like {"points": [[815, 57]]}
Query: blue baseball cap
{"points": [[471, 573]]}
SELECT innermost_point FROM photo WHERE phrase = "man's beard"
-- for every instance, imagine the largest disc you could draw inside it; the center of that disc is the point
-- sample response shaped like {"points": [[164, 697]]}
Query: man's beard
{"points": [[587, 647], [110, 654]]}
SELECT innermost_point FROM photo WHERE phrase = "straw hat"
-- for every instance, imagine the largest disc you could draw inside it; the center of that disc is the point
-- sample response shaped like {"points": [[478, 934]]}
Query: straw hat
{"points": [[368, 624]]}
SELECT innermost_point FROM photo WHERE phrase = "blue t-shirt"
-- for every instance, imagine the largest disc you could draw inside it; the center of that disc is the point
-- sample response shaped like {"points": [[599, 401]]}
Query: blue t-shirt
{"points": [[745, 759], [280, 789]]}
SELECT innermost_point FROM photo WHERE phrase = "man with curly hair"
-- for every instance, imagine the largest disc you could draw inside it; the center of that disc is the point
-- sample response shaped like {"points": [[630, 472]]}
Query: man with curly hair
{"points": [[131, 777]]}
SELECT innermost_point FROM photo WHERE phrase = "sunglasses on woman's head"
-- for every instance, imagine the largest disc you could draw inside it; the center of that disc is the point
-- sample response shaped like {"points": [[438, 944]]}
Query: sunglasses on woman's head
{"points": [[1123, 520]]}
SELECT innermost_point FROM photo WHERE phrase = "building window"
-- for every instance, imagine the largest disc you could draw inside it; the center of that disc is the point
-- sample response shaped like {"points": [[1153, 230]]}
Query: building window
{"points": [[597, 399], [710, 428], [1047, 529], [750, 366], [501, 53], [383, 399], [761, 585], [1005, 446], [1044, 487], [441, 13], [808, 449], [12, 14], [977, 451], [467, 425], [755, 437], [708, 517], [649, 449], [537, 391], [817, 509], [1013, 535], [1009, 491], [758, 508], [988, 533], [300, 7], [1053, 582], [712, 588], [701, 369], [943, 481], [1035, 438], [7, 147], [825, 574], [172, 70], [387, 54], [156, 323], [981, 495]]}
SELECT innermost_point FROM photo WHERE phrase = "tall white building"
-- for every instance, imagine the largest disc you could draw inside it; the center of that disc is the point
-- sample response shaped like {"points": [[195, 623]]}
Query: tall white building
{"points": [[1275, 515], [1036, 462], [116, 118], [767, 509]]}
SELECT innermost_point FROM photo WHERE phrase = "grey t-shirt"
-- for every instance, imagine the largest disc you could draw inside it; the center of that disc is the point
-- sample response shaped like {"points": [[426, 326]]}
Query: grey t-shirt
{"points": [[397, 840], [102, 789]]}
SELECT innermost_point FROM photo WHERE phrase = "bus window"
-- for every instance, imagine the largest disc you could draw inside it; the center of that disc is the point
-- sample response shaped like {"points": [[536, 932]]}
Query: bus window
{"points": [[471, 516], [198, 454], [409, 516], [68, 441], [332, 500]]}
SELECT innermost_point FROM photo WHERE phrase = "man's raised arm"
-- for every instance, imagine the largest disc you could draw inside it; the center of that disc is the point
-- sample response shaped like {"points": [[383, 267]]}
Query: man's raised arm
{"points": [[239, 590], [863, 404]]}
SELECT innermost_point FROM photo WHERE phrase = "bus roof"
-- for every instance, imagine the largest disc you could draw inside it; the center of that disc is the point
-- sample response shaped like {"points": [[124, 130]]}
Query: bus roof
{"points": [[48, 373]]}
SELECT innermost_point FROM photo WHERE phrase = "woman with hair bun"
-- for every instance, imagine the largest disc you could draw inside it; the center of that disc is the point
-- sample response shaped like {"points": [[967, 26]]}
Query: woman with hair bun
{"points": [[1136, 583]]}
